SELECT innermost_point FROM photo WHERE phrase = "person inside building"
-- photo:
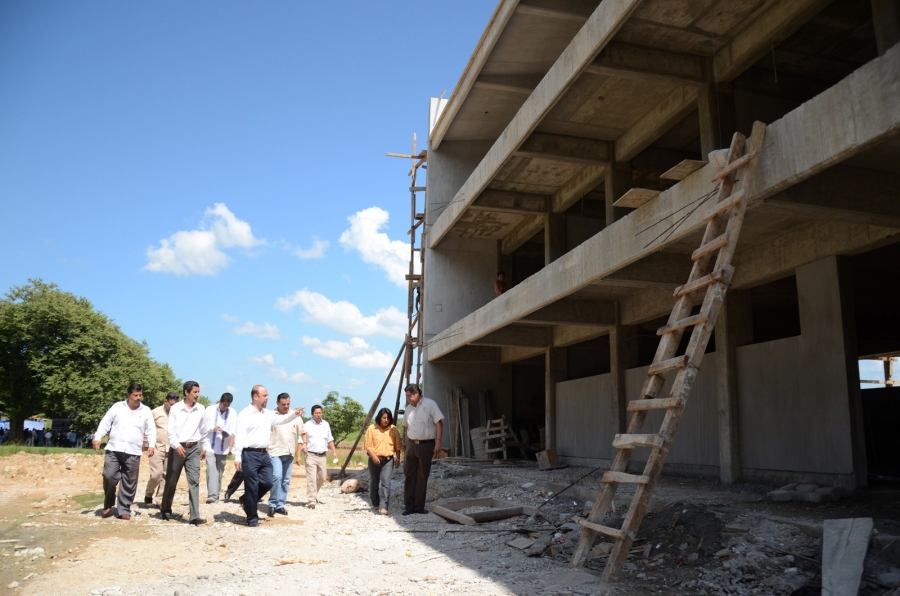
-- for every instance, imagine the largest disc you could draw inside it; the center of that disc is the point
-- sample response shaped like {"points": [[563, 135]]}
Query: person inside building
{"points": [[500, 285]]}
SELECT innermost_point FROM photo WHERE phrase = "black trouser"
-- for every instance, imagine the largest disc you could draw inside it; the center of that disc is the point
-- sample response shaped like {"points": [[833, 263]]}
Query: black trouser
{"points": [[236, 481], [416, 469], [257, 469]]}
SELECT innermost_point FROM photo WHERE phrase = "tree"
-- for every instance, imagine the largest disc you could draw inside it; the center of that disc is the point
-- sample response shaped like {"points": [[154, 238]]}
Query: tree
{"points": [[345, 418], [61, 358]]}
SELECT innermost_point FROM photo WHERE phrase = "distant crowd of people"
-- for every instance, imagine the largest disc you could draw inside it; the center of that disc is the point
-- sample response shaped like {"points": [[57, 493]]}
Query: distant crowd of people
{"points": [[180, 434], [47, 438]]}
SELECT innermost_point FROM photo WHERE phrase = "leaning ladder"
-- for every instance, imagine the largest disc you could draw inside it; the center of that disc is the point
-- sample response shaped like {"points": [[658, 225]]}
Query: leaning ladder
{"points": [[707, 285]]}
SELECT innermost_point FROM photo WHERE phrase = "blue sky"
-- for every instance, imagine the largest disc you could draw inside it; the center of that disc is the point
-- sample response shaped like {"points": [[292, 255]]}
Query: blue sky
{"points": [[212, 175]]}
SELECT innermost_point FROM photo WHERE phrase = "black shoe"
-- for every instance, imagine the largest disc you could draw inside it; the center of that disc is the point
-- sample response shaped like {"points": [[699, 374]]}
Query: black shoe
{"points": [[197, 522], [253, 524], [408, 512], [228, 494], [421, 510], [281, 511], [167, 516], [148, 500], [271, 512]]}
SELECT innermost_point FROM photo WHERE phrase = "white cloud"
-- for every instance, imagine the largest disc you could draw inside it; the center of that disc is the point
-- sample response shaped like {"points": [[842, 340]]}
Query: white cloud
{"points": [[230, 389], [230, 318], [356, 352], [259, 360], [316, 251], [264, 331], [354, 382], [374, 246], [279, 372], [199, 252], [344, 316]]}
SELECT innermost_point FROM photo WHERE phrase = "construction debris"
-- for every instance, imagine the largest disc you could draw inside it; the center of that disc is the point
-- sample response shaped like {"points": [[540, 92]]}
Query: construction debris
{"points": [[487, 510], [844, 550]]}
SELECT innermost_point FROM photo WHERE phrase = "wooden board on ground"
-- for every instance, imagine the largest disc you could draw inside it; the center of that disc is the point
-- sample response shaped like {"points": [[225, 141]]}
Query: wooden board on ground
{"points": [[548, 460], [636, 197], [683, 170], [499, 510], [844, 546]]}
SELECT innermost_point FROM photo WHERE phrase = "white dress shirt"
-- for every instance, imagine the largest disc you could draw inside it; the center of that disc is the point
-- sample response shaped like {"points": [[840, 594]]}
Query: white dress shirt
{"points": [[219, 442], [186, 425], [420, 420], [254, 428], [318, 435], [127, 428]]}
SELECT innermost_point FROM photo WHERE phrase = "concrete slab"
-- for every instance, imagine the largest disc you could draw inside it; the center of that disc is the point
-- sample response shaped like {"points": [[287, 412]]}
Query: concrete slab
{"points": [[844, 548]]}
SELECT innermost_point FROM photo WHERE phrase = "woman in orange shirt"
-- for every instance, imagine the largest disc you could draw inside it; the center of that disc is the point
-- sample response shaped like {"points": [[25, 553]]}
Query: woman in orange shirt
{"points": [[383, 446]]}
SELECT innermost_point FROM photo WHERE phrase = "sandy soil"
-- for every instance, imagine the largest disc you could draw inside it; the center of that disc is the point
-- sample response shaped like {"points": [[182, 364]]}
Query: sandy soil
{"points": [[699, 539]]}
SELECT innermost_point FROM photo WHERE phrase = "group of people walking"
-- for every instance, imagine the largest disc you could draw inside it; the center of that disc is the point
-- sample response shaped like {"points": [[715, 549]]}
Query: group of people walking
{"points": [[181, 433]]}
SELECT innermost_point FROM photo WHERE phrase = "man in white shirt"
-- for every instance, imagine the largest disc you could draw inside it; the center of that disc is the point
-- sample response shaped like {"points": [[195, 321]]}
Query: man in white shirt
{"points": [[318, 440], [283, 444], [186, 431], [424, 426], [128, 424], [217, 443], [251, 444]]}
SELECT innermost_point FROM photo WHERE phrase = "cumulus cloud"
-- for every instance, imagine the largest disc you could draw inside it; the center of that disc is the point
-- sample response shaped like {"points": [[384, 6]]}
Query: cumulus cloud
{"points": [[365, 237], [316, 251], [230, 389], [356, 352], [230, 318], [199, 252], [345, 317], [264, 331], [279, 372]]}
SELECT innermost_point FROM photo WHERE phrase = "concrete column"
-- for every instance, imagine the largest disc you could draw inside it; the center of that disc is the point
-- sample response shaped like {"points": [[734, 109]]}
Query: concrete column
{"points": [[829, 355], [554, 237], [555, 364], [707, 108], [733, 329], [886, 18], [617, 183], [623, 354]]}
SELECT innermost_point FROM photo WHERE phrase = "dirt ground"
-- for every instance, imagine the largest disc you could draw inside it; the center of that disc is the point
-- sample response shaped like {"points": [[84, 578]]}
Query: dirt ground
{"points": [[699, 538]]}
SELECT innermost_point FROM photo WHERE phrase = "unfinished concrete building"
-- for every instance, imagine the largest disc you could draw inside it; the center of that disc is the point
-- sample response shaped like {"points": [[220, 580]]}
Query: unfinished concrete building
{"points": [[567, 157]]}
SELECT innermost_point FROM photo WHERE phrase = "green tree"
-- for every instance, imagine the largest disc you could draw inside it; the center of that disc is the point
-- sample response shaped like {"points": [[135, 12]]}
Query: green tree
{"points": [[345, 418], [61, 358]]}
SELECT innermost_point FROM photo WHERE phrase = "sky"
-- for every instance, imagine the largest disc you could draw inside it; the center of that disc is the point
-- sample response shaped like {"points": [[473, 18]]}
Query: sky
{"points": [[212, 176]]}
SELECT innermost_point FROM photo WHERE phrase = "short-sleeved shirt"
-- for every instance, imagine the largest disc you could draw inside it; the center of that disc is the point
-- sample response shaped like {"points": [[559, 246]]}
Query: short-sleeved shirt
{"points": [[383, 442], [285, 438], [420, 420], [317, 435]]}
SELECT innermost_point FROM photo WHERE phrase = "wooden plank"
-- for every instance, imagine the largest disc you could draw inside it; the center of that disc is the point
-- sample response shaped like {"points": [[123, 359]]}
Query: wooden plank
{"points": [[682, 170], [625, 478], [711, 246], [635, 197], [464, 426], [605, 530], [632, 441], [453, 515], [637, 405], [459, 505], [725, 205], [735, 166], [686, 322], [844, 546], [495, 514], [658, 368], [707, 280]]}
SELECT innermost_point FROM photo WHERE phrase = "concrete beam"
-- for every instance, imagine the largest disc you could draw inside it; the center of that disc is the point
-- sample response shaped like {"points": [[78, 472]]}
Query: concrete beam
{"points": [[504, 11], [518, 84], [574, 189], [505, 201], [568, 335], [516, 335], [769, 29], [852, 116], [678, 104], [649, 65], [508, 355], [661, 269], [574, 312], [521, 234], [472, 354], [597, 31], [565, 148]]}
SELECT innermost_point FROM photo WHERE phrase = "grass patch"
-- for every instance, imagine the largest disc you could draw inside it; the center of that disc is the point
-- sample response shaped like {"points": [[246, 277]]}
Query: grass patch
{"points": [[89, 500], [7, 450]]}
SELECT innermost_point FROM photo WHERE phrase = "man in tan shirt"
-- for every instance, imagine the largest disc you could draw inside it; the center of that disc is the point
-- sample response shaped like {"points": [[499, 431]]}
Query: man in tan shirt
{"points": [[157, 483], [284, 445]]}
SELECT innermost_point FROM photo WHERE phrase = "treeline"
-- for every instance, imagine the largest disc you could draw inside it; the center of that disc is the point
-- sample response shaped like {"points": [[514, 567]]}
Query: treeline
{"points": [[61, 358]]}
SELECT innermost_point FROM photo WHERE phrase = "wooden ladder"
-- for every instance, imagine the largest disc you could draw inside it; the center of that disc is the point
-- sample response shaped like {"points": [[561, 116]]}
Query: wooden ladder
{"points": [[706, 285]]}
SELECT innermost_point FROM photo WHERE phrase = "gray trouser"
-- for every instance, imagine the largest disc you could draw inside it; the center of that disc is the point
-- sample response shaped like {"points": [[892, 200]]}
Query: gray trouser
{"points": [[380, 481], [190, 463], [120, 467], [215, 467]]}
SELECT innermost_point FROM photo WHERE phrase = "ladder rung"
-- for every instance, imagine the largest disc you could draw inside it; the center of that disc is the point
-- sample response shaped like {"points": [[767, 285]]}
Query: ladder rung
{"points": [[713, 245], [416, 188], [414, 277], [725, 205], [666, 365], [421, 216], [735, 165], [605, 530], [633, 441], [623, 477], [697, 319], [639, 405], [700, 283]]}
